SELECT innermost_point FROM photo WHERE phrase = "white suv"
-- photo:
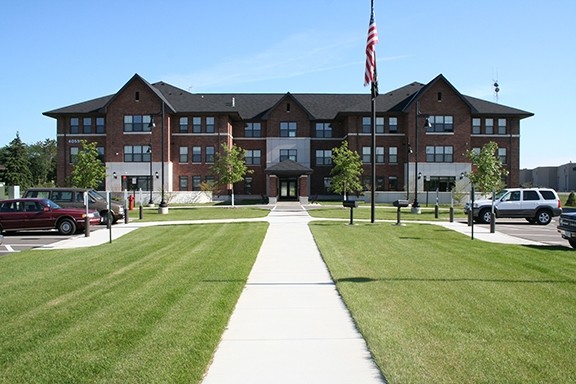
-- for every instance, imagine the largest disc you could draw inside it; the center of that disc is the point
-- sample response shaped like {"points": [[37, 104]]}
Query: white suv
{"points": [[537, 205]]}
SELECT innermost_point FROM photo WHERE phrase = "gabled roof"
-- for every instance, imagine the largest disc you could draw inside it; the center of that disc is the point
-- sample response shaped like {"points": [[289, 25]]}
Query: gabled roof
{"points": [[288, 167], [257, 106]]}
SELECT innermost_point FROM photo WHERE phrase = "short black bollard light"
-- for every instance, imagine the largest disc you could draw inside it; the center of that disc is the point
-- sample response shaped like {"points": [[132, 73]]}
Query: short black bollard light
{"points": [[451, 214], [125, 215], [87, 226], [492, 222], [399, 204], [436, 211], [140, 212], [351, 204]]}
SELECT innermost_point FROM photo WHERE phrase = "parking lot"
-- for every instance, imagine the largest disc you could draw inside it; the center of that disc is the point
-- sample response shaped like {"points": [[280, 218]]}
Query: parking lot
{"points": [[547, 234], [20, 241]]}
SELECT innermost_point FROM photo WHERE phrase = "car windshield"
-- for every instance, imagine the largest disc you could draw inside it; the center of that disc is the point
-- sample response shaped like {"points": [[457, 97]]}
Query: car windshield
{"points": [[95, 195], [51, 204], [501, 193]]}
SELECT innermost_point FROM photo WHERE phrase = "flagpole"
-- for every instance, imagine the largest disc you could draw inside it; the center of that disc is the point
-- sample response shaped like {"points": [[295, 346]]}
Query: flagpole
{"points": [[373, 189]]}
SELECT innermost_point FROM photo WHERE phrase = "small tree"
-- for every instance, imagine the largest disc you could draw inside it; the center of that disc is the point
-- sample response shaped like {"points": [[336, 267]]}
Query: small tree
{"points": [[571, 201], [346, 170], [43, 162], [488, 169], [15, 158], [89, 171], [230, 166]]}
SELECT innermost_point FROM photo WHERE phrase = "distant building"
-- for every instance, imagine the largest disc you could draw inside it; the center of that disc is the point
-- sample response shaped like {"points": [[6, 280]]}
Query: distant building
{"points": [[288, 137], [561, 178]]}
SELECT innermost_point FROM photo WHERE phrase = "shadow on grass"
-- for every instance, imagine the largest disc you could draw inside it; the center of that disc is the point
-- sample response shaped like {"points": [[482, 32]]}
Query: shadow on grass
{"points": [[546, 247], [450, 280]]}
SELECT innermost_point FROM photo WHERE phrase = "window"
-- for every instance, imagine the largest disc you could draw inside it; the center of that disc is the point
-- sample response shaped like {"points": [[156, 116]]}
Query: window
{"points": [[183, 155], [392, 124], [136, 153], [531, 195], [502, 155], [392, 183], [73, 154], [324, 157], [253, 130], [441, 124], [327, 184], [367, 183], [87, 125], [501, 126], [489, 123], [288, 154], [196, 124], [196, 154], [366, 125], [476, 129], [380, 183], [439, 154], [196, 183], [253, 156], [100, 125], [288, 129], [323, 130], [74, 125], [183, 124], [379, 154], [100, 153], [210, 152], [183, 182], [210, 124], [442, 183], [248, 185], [379, 125], [137, 123], [366, 154], [393, 155]]}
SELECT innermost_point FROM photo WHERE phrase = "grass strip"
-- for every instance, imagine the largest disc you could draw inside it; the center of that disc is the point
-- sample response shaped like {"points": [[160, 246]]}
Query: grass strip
{"points": [[437, 307], [148, 309], [199, 213]]}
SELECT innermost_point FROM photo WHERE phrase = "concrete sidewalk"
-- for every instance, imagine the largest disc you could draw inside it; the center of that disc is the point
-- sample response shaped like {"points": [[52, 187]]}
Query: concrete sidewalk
{"points": [[290, 324]]}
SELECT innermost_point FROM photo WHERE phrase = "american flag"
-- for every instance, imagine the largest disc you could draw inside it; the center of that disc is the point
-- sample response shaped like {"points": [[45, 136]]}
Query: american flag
{"points": [[370, 73]]}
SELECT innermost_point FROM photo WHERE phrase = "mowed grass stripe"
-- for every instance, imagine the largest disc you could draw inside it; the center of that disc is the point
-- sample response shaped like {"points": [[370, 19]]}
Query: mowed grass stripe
{"points": [[148, 308], [435, 306]]}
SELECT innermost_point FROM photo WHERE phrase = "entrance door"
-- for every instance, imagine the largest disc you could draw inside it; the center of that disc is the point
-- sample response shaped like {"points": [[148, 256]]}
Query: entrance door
{"points": [[289, 188]]}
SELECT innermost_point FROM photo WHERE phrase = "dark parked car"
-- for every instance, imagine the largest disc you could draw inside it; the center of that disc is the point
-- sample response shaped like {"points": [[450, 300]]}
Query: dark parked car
{"points": [[567, 227], [25, 214], [74, 198]]}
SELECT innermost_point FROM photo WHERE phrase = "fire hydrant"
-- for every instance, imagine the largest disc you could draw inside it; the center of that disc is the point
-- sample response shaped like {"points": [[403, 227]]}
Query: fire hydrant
{"points": [[131, 202]]}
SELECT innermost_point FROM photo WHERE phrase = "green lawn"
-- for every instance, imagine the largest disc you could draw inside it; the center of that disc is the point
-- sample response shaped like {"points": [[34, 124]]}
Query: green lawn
{"points": [[148, 309], [437, 307], [198, 213], [364, 212]]}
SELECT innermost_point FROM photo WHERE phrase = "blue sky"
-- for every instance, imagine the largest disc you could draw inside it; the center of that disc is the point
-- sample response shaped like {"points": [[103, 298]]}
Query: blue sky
{"points": [[56, 53]]}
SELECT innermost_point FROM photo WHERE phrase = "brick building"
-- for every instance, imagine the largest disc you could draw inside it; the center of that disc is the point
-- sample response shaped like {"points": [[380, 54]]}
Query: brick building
{"points": [[288, 138]]}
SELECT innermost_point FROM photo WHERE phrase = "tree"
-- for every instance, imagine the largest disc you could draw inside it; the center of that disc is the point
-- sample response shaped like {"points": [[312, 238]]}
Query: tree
{"points": [[43, 162], [488, 170], [230, 166], [16, 160], [346, 170], [89, 171]]}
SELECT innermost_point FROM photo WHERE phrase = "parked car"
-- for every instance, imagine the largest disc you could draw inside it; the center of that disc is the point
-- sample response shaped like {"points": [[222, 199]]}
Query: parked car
{"points": [[567, 227], [537, 205], [74, 198], [28, 213]]}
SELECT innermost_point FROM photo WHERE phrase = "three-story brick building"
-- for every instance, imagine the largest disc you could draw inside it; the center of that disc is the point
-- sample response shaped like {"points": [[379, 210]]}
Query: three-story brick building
{"points": [[288, 138]]}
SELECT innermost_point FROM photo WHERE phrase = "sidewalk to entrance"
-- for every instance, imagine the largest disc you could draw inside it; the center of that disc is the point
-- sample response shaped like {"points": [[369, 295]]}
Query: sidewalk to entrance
{"points": [[290, 324]]}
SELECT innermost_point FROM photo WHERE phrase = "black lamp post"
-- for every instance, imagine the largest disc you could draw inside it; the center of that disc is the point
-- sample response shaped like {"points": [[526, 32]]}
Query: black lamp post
{"points": [[415, 204], [150, 202], [163, 205]]}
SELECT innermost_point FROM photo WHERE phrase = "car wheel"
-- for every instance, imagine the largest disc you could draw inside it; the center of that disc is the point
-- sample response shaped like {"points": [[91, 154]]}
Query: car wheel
{"points": [[485, 216], [543, 217], [104, 215], [572, 243], [66, 227]]}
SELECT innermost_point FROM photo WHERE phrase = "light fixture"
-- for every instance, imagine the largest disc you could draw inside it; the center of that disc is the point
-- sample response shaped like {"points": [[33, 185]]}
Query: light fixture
{"points": [[157, 175], [114, 175]]}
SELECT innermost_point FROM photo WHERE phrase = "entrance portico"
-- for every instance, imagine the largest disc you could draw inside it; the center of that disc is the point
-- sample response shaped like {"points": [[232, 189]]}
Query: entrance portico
{"points": [[288, 180]]}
